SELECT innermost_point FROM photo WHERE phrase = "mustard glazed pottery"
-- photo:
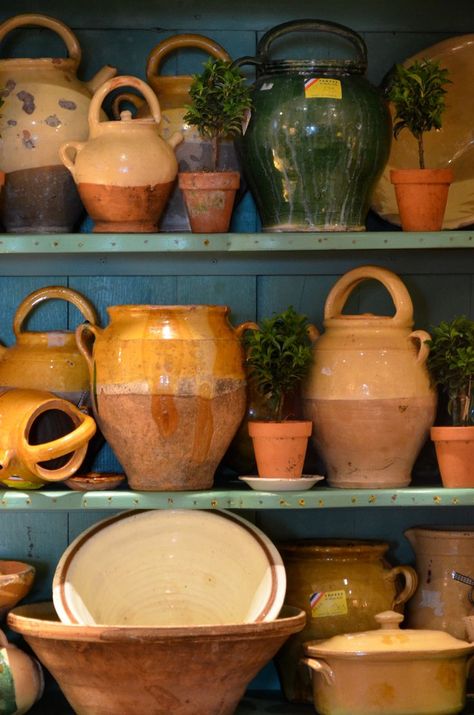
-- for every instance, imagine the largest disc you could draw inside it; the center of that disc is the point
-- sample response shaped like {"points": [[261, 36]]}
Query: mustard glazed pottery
{"points": [[341, 584], [46, 106], [27, 464], [170, 568], [390, 670], [21, 679], [168, 386], [153, 670], [16, 580], [319, 134], [125, 171], [369, 376]]}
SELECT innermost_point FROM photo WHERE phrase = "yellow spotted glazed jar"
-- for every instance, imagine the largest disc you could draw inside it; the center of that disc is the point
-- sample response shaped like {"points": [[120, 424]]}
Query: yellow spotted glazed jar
{"points": [[169, 390]]}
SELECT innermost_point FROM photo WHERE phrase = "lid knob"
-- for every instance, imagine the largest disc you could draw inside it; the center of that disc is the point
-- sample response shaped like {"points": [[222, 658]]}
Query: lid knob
{"points": [[389, 619], [125, 115]]}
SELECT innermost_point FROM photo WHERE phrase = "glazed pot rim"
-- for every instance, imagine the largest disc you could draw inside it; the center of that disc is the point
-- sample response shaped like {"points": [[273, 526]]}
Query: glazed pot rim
{"points": [[172, 308], [312, 650], [329, 546]]}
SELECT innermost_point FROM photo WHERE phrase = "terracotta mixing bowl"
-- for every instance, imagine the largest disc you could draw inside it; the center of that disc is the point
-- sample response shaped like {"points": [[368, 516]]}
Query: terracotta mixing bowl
{"points": [[16, 580], [104, 670], [170, 568]]}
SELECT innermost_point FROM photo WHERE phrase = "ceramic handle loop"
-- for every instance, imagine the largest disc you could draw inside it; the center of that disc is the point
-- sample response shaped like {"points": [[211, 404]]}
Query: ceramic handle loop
{"points": [[424, 350], [321, 667], [313, 26], [114, 83], [48, 293], [341, 291], [68, 37], [411, 583], [200, 42]]}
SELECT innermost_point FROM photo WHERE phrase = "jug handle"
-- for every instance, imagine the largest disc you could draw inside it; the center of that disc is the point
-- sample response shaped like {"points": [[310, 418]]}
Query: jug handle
{"points": [[69, 160], [341, 291], [164, 48], [125, 97], [114, 83], [64, 32], [411, 583], [76, 441], [313, 26], [249, 325], [47, 293], [424, 349]]}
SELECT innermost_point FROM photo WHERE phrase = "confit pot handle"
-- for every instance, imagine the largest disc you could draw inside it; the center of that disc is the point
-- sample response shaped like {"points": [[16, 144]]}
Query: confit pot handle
{"points": [[242, 327], [64, 32], [85, 346], [411, 583], [342, 289], [114, 83], [200, 42], [424, 350], [321, 667], [48, 293], [133, 99]]}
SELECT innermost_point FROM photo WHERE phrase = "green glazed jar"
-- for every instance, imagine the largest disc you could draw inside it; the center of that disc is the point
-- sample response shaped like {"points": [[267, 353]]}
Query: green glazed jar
{"points": [[318, 137]]}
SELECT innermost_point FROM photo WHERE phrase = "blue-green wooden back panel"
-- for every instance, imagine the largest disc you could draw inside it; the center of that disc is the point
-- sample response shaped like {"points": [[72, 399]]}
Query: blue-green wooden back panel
{"points": [[238, 292]]}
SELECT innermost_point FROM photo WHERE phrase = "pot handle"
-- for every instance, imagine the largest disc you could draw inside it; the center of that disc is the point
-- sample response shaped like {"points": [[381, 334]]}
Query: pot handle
{"points": [[114, 83], [85, 346], [424, 350], [321, 667], [341, 291], [334, 28], [68, 158], [134, 99], [411, 583], [48, 293], [248, 325], [64, 32], [200, 42], [76, 441]]}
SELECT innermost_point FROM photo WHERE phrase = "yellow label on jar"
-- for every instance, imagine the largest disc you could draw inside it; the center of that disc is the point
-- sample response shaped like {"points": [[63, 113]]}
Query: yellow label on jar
{"points": [[328, 603], [323, 87]]}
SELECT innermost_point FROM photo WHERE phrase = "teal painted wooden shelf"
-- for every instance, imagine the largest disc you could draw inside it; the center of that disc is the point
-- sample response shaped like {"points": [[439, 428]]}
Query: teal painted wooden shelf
{"points": [[84, 243], [315, 498]]}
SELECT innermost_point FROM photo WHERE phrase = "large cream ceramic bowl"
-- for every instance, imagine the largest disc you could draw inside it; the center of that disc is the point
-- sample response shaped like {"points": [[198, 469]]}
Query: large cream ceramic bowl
{"points": [[170, 568], [451, 147]]}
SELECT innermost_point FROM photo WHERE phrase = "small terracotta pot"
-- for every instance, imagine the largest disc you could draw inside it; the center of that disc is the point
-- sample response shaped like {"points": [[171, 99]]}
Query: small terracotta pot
{"points": [[280, 447], [455, 454], [16, 580], [209, 198], [422, 195]]}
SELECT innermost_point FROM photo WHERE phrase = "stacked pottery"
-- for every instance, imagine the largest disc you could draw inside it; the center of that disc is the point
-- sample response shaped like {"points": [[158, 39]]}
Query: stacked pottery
{"points": [[125, 172], [46, 105], [169, 390], [369, 393], [318, 138]]}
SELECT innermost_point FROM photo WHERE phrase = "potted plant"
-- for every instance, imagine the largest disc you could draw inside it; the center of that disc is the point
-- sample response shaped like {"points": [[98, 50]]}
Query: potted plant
{"points": [[220, 102], [451, 365], [279, 356], [418, 96]]}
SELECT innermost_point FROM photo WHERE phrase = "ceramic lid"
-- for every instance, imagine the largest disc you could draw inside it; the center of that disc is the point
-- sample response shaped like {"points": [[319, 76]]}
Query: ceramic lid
{"points": [[389, 638]]}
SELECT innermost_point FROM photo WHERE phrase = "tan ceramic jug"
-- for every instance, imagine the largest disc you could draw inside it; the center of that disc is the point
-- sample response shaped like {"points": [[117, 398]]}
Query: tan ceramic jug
{"points": [[169, 390], [125, 172], [45, 106], [341, 584], [369, 393], [21, 679], [25, 463], [441, 600], [195, 152]]}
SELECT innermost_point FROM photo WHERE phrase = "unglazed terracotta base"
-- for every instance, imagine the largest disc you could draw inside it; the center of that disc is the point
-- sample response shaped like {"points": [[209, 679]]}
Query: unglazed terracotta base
{"points": [[370, 443], [125, 209], [104, 670]]}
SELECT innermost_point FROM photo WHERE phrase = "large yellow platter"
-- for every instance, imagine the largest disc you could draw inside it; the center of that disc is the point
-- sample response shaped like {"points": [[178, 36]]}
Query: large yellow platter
{"points": [[452, 146]]}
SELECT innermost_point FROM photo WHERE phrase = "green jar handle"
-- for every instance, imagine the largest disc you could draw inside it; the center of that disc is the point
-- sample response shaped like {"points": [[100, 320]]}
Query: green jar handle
{"points": [[312, 26]]}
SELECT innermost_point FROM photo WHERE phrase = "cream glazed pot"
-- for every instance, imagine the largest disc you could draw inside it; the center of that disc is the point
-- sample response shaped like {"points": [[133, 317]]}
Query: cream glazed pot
{"points": [[125, 171], [369, 393]]}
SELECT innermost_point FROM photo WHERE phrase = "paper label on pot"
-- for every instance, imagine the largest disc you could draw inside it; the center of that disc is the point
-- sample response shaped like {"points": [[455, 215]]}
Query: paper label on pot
{"points": [[323, 87], [328, 603]]}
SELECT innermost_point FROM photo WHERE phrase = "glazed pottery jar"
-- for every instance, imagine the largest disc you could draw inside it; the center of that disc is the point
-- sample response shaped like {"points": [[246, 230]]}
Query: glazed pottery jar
{"points": [[369, 393], [169, 390], [21, 679], [125, 171], [390, 670], [46, 105], [318, 137], [16, 580], [341, 584], [442, 601], [26, 463]]}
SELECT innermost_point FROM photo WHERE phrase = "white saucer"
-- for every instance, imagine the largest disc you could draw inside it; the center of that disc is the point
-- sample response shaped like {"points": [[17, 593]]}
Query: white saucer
{"points": [[270, 484]]}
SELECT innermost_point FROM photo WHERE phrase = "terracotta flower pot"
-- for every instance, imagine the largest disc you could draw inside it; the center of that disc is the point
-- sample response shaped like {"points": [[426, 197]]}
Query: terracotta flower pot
{"points": [[280, 447], [422, 195], [209, 199], [455, 454]]}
